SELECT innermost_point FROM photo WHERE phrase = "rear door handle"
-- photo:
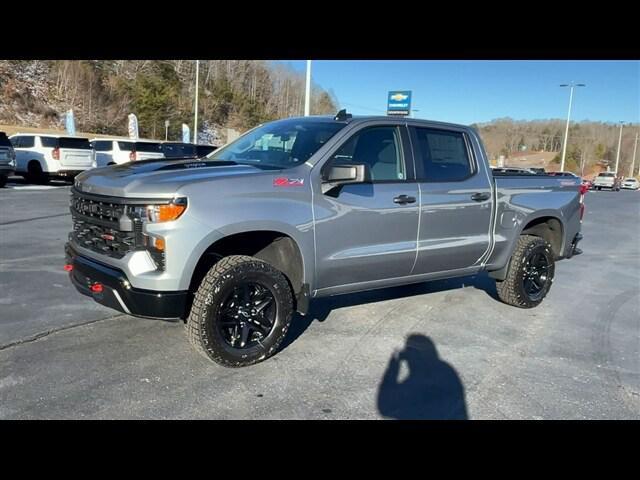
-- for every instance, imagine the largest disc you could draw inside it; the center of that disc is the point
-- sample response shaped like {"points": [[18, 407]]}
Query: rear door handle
{"points": [[403, 199], [480, 197]]}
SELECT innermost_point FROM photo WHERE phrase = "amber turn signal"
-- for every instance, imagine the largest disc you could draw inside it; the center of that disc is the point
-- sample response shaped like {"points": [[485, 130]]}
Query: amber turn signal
{"points": [[165, 213]]}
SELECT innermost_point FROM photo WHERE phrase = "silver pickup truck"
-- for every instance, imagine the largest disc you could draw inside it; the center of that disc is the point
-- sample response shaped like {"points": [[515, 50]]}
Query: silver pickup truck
{"points": [[296, 209]]}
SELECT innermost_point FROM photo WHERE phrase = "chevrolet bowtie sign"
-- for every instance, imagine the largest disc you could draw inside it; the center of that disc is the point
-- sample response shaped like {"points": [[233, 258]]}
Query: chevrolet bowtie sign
{"points": [[399, 102]]}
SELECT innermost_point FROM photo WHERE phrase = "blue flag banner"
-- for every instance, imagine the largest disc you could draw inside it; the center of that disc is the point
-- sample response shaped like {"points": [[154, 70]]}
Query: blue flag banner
{"points": [[133, 126], [185, 133], [70, 124]]}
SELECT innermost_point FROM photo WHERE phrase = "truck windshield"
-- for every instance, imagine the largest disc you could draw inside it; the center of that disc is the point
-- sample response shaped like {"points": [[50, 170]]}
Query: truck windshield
{"points": [[281, 144]]}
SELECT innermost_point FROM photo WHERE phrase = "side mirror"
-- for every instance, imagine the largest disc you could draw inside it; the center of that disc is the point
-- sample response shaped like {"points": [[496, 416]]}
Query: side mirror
{"points": [[344, 174]]}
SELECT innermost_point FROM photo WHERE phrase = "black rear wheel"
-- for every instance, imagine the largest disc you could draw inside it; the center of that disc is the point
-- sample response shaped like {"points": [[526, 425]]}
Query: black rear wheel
{"points": [[3, 180], [35, 173], [241, 311], [530, 273]]}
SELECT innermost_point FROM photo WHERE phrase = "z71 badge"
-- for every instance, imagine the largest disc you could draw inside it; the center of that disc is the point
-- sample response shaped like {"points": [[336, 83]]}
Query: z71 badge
{"points": [[288, 182]]}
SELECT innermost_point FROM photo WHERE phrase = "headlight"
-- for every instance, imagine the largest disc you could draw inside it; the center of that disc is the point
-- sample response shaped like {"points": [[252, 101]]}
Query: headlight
{"points": [[162, 213]]}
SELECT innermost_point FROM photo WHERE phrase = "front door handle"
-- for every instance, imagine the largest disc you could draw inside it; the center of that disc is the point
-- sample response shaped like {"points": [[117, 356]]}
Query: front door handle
{"points": [[404, 199], [480, 197]]}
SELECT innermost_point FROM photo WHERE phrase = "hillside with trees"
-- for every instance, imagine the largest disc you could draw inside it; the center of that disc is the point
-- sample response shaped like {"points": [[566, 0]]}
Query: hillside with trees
{"points": [[595, 143], [240, 94], [237, 94]]}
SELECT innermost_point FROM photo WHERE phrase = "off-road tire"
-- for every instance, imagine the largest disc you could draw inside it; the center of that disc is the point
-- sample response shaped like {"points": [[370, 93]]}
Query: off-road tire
{"points": [[201, 328], [511, 290]]}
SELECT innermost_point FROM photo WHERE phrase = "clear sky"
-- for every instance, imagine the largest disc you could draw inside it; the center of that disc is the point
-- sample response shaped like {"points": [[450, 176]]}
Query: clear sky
{"points": [[479, 91]]}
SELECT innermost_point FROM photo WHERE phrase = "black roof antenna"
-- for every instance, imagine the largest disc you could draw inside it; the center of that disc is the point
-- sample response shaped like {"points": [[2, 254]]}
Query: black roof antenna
{"points": [[342, 115]]}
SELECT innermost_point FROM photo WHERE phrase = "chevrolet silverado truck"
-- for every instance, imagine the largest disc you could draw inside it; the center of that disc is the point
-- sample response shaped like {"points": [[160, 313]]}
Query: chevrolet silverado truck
{"points": [[296, 209]]}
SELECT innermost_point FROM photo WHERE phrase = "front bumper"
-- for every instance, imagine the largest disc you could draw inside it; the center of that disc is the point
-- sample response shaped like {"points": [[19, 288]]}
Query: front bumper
{"points": [[117, 292]]}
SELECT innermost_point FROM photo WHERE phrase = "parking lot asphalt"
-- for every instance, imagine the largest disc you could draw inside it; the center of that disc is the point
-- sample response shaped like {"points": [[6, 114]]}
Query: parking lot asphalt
{"points": [[445, 349]]}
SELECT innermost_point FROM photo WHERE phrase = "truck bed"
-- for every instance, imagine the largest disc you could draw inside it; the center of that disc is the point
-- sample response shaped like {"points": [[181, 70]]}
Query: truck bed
{"points": [[517, 196]]}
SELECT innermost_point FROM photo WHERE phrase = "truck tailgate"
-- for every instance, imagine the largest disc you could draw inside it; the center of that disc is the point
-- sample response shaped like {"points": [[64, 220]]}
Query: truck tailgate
{"points": [[70, 157]]}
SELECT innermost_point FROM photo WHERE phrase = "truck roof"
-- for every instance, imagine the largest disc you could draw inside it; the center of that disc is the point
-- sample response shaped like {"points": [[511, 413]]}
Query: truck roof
{"points": [[366, 118]]}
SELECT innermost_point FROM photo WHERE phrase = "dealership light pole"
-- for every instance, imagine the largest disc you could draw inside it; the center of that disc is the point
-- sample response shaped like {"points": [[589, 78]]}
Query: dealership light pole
{"points": [[633, 162], [566, 132], [619, 144], [195, 120], [307, 91]]}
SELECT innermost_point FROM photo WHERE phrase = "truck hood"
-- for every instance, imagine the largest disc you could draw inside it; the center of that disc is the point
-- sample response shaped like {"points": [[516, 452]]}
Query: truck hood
{"points": [[156, 178]]}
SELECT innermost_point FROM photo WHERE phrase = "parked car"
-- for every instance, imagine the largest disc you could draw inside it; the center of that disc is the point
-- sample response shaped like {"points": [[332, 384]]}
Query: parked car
{"points": [[179, 150], [7, 159], [308, 207], [186, 150], [606, 180], [204, 150], [631, 184], [40, 157], [107, 151]]}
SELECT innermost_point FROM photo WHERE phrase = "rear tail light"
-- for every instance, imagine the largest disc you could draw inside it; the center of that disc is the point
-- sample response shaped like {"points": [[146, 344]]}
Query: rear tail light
{"points": [[56, 153], [68, 267], [96, 288], [132, 156]]}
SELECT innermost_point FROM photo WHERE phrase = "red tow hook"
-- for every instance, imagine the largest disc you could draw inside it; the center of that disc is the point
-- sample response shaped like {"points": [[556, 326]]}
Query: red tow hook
{"points": [[68, 267], [96, 288]]}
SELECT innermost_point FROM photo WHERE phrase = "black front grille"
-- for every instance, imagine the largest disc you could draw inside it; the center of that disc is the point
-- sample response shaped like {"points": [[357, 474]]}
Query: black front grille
{"points": [[108, 227], [101, 239]]}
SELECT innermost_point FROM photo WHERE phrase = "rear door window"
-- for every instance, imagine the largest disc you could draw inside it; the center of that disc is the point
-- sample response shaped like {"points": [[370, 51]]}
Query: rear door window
{"points": [[126, 146], [102, 145], [76, 143], [148, 147], [443, 156], [49, 142], [27, 142]]}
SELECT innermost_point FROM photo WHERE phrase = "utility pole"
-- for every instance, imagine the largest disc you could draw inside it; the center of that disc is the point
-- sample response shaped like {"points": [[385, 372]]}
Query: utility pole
{"points": [[195, 120], [166, 130], [566, 132], [307, 93], [633, 161], [619, 144]]}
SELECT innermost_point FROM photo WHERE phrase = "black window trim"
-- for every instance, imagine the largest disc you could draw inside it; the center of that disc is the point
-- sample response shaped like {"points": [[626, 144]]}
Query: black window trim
{"points": [[406, 153], [473, 161]]}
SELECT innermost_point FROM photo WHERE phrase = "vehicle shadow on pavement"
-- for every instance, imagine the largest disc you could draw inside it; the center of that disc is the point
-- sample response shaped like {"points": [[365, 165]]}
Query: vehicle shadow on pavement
{"points": [[322, 307], [432, 389]]}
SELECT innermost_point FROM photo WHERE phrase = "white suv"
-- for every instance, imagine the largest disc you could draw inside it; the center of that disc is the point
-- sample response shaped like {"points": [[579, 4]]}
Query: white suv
{"points": [[107, 151], [40, 157]]}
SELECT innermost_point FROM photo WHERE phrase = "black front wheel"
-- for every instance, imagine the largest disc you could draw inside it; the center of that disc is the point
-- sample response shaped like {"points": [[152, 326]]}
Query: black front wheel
{"points": [[241, 311], [530, 273]]}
